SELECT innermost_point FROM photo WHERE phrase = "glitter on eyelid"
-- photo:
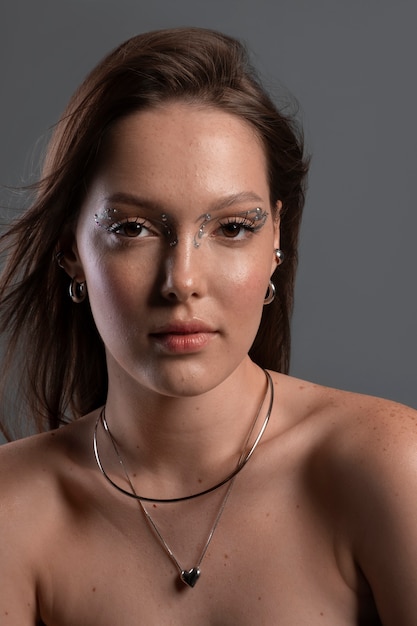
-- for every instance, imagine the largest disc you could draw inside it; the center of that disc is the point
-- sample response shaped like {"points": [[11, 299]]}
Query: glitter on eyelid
{"points": [[109, 216], [257, 215], [106, 216]]}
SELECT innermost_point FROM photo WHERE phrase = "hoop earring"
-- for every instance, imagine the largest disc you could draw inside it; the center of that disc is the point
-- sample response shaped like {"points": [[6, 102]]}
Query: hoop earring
{"points": [[279, 256], [77, 291], [270, 294]]}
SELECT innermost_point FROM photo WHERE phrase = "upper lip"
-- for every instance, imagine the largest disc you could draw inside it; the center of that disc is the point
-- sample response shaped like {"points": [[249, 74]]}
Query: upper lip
{"points": [[183, 328]]}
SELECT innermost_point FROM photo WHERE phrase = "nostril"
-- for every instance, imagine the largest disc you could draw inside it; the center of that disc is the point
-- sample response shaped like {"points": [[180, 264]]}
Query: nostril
{"points": [[179, 293], [171, 296]]}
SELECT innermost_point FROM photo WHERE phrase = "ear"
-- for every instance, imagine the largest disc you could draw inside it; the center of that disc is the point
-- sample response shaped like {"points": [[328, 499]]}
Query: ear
{"points": [[68, 257], [277, 238]]}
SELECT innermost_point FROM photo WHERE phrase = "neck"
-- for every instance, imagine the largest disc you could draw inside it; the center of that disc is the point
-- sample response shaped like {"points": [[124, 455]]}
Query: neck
{"points": [[186, 443]]}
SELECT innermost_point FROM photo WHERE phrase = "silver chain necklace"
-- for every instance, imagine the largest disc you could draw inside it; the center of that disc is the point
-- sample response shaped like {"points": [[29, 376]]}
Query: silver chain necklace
{"points": [[240, 465], [190, 576]]}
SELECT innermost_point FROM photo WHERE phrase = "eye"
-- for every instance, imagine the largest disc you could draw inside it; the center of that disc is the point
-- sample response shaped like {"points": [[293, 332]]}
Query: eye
{"points": [[129, 228], [237, 228], [231, 230]]}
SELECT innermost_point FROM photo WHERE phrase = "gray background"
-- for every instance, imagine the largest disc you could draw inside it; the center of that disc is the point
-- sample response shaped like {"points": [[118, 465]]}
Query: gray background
{"points": [[352, 66]]}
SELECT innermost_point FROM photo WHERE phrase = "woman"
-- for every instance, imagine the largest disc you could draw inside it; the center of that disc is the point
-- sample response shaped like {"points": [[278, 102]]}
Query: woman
{"points": [[195, 486]]}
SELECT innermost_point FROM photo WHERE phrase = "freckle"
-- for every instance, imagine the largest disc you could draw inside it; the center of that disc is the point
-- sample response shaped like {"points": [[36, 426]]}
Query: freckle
{"points": [[297, 506], [154, 506], [134, 475], [259, 597], [321, 613], [226, 556], [268, 514], [199, 480], [93, 589]]}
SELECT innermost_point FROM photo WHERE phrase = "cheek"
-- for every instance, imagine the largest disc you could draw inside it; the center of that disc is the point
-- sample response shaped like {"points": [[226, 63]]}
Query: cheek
{"points": [[117, 289], [250, 284], [245, 288], [250, 271], [243, 304], [113, 285]]}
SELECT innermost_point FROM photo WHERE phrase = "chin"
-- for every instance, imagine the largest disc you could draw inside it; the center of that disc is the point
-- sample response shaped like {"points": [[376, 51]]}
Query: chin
{"points": [[187, 379]]}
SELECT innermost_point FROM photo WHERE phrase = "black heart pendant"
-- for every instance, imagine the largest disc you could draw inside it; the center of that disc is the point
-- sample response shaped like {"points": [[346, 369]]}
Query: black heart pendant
{"points": [[190, 577]]}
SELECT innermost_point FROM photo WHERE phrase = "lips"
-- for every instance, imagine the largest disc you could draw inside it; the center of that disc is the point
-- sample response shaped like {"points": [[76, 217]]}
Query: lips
{"points": [[183, 337], [183, 328]]}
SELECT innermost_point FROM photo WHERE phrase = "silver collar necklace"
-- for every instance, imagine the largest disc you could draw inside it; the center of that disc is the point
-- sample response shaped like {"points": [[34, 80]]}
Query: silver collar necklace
{"points": [[190, 576]]}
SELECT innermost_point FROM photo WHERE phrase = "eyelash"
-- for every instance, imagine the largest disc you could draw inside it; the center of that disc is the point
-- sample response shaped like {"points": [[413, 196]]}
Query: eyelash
{"points": [[243, 222], [116, 227]]}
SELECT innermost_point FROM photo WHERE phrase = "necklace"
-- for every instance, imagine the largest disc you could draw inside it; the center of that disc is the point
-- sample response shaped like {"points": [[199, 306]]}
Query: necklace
{"points": [[244, 458], [190, 576]]}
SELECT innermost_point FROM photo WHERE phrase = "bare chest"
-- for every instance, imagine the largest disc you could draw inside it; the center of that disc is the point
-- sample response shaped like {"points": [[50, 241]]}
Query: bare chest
{"points": [[267, 563]]}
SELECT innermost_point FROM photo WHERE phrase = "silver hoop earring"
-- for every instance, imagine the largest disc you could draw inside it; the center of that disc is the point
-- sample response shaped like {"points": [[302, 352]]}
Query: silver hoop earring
{"points": [[270, 294], [279, 256], [77, 291]]}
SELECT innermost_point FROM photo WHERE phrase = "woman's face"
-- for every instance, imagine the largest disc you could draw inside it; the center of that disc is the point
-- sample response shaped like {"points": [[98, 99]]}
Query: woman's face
{"points": [[176, 242]]}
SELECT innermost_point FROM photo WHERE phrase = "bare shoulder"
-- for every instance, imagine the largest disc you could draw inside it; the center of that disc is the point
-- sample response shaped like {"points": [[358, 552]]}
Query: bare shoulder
{"points": [[26, 480], [358, 451], [24, 461], [359, 469], [33, 472], [346, 421], [34, 491], [369, 442]]}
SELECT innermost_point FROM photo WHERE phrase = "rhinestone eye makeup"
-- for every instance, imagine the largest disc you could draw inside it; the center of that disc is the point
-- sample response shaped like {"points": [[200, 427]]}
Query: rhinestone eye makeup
{"points": [[169, 230], [112, 220], [200, 233], [106, 218], [126, 225], [256, 217]]}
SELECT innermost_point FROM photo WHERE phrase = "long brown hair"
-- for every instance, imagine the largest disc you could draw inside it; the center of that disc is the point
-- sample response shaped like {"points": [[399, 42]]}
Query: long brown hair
{"points": [[60, 356]]}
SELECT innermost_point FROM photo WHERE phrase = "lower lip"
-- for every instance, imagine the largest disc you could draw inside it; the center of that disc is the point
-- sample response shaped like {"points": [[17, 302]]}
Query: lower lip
{"points": [[183, 344]]}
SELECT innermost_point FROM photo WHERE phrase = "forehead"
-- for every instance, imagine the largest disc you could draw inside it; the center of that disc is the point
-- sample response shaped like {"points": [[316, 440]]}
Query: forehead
{"points": [[183, 149], [192, 118]]}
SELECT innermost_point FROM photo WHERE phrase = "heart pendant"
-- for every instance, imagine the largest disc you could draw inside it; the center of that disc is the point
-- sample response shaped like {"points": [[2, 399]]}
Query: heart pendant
{"points": [[190, 577]]}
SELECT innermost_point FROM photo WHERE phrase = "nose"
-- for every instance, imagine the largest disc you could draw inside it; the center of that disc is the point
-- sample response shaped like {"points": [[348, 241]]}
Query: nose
{"points": [[183, 276]]}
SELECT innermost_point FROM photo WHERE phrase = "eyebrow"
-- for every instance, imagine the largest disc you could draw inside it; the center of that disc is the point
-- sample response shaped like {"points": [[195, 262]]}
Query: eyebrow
{"points": [[222, 203], [133, 200]]}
